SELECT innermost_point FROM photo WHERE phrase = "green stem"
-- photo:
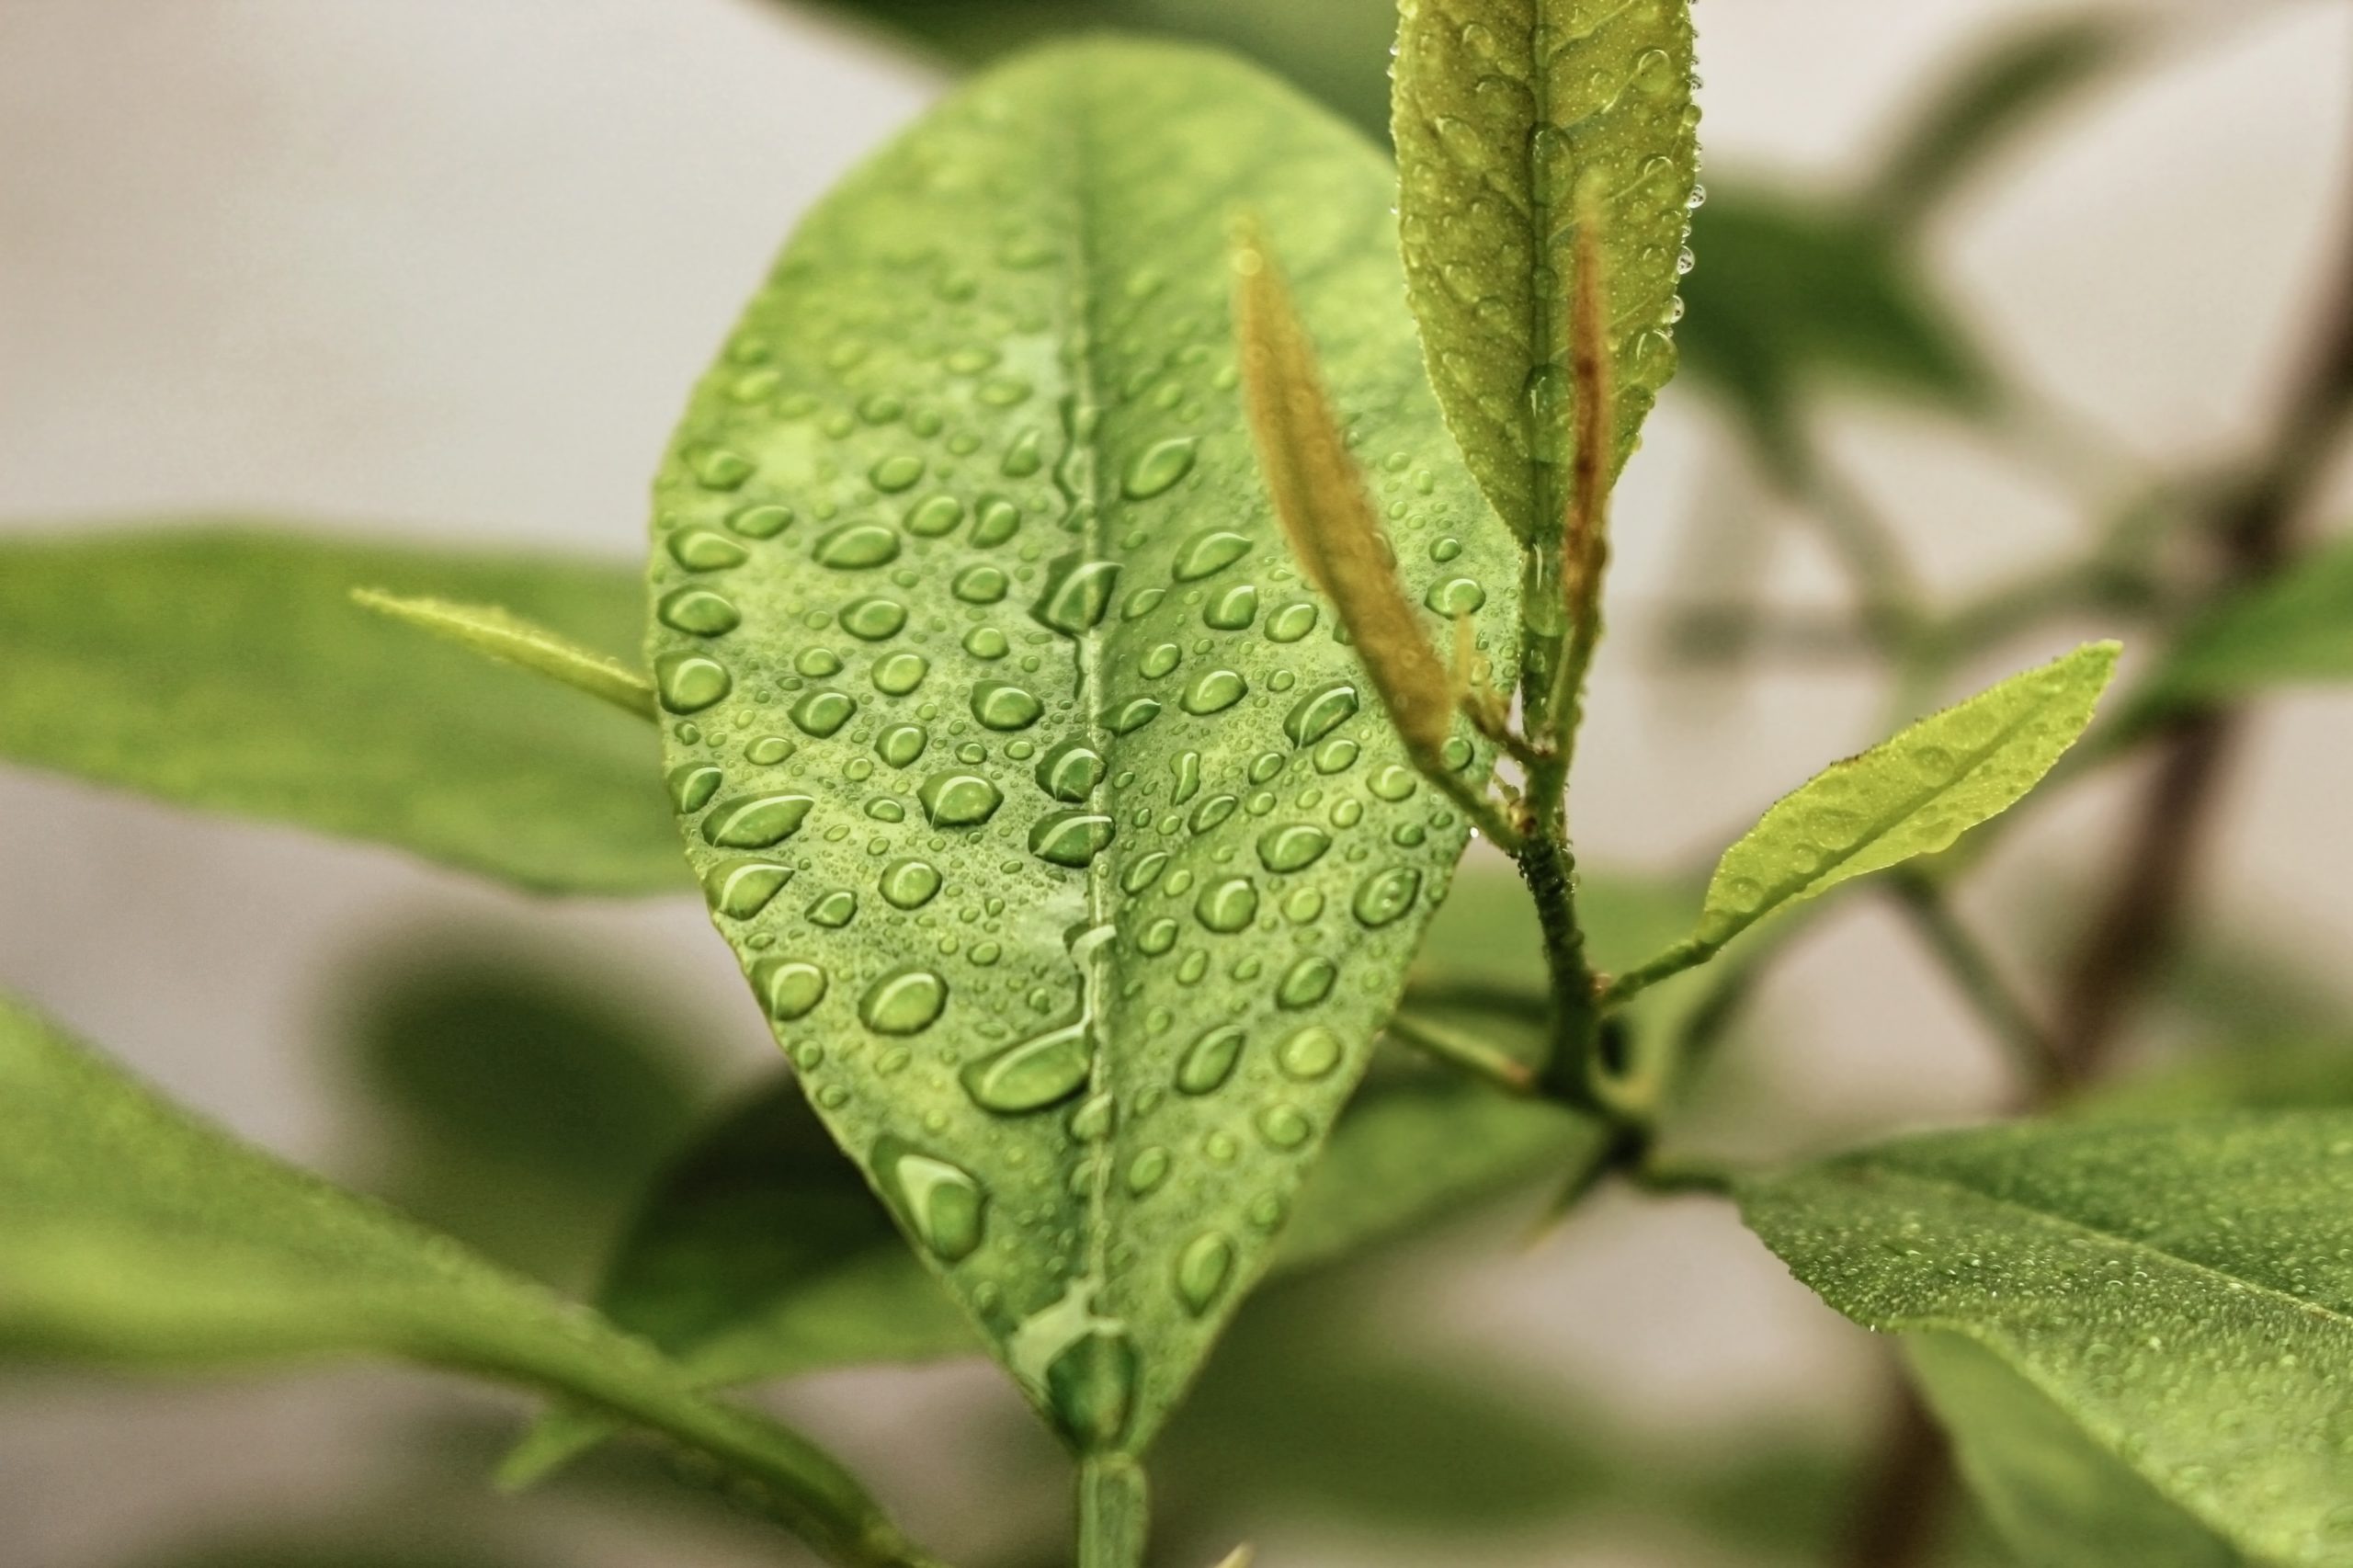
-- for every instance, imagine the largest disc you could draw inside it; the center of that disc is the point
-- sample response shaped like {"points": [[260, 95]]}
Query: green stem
{"points": [[1464, 1053], [1114, 1512], [1550, 870], [1688, 953]]}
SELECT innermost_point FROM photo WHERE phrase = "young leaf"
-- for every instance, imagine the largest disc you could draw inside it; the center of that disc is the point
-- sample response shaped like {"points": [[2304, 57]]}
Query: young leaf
{"points": [[226, 667], [2295, 629], [2059, 1499], [1507, 114], [2182, 1291], [131, 1233], [499, 634], [1055, 825], [1911, 795]]}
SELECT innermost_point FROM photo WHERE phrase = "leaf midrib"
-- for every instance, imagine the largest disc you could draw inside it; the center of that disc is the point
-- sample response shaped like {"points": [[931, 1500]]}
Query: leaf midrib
{"points": [[2335, 1317]]}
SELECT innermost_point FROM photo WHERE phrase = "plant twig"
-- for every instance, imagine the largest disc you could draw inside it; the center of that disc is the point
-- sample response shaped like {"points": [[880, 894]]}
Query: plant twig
{"points": [[1980, 980], [1907, 1498]]}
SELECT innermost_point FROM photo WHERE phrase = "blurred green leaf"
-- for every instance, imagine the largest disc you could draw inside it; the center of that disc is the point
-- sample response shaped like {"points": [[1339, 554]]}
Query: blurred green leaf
{"points": [[2243, 1075], [225, 667], [2055, 1497], [2182, 1291], [131, 1233], [365, 1546], [2295, 630], [520, 1103], [1993, 96]]}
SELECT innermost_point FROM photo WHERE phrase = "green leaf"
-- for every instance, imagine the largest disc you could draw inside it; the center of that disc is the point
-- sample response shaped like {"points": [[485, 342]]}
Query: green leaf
{"points": [[1914, 794], [1509, 115], [225, 667], [2058, 1499], [762, 1253], [2295, 629], [1992, 97], [2182, 1291], [131, 1233], [1059, 834]]}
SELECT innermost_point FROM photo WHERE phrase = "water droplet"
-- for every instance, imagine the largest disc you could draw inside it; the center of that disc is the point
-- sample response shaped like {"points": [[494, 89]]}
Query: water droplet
{"points": [[818, 663], [1069, 771], [1320, 712], [873, 619], [1042, 1071], [755, 822], [1455, 595], [959, 800], [1158, 467], [692, 785], [1309, 1053], [1144, 873], [821, 712], [933, 516], [1394, 782], [766, 751], [790, 987], [1000, 705], [1091, 1388], [1213, 691], [1284, 1126], [986, 642], [940, 1202], [857, 547], [910, 885], [1335, 755], [1148, 1170], [1132, 715], [1291, 623], [900, 673], [741, 889], [1208, 552], [896, 472], [1232, 610], [1158, 660], [698, 611], [1187, 766], [688, 682], [980, 585], [1307, 982], [1209, 1061], [1070, 838], [833, 910], [1202, 1270], [1141, 603], [902, 743], [1228, 905], [1157, 937], [906, 1001], [718, 469], [764, 521], [1293, 847], [1076, 595]]}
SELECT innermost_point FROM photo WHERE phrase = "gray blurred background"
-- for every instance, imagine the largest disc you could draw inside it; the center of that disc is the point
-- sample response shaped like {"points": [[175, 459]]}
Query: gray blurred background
{"points": [[447, 268]]}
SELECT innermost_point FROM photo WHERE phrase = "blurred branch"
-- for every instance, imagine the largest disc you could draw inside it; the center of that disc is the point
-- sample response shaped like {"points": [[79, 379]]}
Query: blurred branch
{"points": [[1978, 979]]}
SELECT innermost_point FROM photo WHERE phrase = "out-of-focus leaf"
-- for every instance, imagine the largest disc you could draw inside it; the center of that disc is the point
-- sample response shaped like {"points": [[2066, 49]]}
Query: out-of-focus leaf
{"points": [[519, 1103], [2182, 1291], [2295, 629], [340, 1549], [1993, 98], [226, 667], [975, 678], [1794, 295], [2056, 1498], [1517, 122], [2239, 1075], [131, 1233]]}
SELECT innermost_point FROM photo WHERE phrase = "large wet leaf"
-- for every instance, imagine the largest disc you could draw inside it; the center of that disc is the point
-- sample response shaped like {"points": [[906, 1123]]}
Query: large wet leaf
{"points": [[2057, 1498], [131, 1233], [1514, 119], [2182, 1291], [1061, 837], [225, 667]]}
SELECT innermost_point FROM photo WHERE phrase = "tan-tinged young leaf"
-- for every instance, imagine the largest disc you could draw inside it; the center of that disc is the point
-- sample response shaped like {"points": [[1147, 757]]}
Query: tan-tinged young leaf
{"points": [[1912, 794], [2181, 1291], [499, 634], [1059, 832], [133, 1235], [1507, 115], [1321, 500]]}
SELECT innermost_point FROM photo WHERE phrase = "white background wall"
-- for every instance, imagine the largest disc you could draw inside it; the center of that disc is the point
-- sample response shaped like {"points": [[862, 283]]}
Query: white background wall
{"points": [[448, 265]]}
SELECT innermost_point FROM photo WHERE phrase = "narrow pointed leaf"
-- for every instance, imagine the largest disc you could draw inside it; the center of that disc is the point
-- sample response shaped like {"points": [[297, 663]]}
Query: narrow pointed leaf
{"points": [[2294, 631], [131, 1233], [497, 633], [225, 667], [2056, 1497], [2182, 1291], [1911, 795], [1061, 837], [1506, 113]]}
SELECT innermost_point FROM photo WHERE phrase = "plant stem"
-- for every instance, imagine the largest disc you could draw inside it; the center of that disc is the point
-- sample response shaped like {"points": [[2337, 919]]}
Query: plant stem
{"points": [[1972, 969], [1460, 1051], [1114, 1512], [1550, 870]]}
